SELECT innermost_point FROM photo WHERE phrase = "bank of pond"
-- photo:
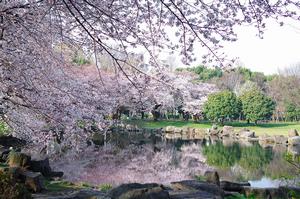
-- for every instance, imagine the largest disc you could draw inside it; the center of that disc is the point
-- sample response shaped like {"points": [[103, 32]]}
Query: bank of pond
{"points": [[166, 163]]}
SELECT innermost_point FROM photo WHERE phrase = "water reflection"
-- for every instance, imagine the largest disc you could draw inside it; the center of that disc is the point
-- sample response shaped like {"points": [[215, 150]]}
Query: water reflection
{"points": [[239, 162], [150, 157]]}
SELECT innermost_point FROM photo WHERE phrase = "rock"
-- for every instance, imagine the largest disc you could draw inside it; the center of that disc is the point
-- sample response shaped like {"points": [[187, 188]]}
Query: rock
{"points": [[10, 141], [267, 193], [192, 195], [199, 133], [280, 139], [177, 130], [232, 186], [98, 139], [56, 174], [17, 159], [42, 166], [228, 131], [294, 140], [266, 139], [72, 194], [169, 129], [4, 151], [194, 185], [212, 177], [214, 127], [214, 132], [139, 191], [245, 133], [294, 149], [33, 181], [293, 133]]}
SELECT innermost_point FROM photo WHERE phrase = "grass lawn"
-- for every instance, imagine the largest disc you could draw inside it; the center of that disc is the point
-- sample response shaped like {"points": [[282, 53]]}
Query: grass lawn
{"points": [[260, 129]]}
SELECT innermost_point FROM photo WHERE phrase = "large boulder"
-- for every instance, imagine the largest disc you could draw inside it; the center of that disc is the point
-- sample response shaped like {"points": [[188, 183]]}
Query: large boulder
{"points": [[246, 134], [294, 140], [228, 131], [43, 167], [268, 193], [280, 139], [72, 194], [177, 130], [4, 151], [33, 181], [10, 141], [293, 133], [139, 191], [169, 129], [233, 187], [194, 186]]}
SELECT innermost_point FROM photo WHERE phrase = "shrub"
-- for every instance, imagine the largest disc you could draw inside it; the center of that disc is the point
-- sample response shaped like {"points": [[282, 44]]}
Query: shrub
{"points": [[11, 189], [3, 128], [105, 187], [222, 105]]}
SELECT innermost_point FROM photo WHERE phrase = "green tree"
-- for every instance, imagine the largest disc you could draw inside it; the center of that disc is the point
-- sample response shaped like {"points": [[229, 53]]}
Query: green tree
{"points": [[222, 105], [256, 106], [292, 112]]}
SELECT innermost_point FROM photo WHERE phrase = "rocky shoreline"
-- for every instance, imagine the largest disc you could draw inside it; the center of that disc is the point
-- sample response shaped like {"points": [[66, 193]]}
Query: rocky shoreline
{"points": [[32, 174], [187, 133]]}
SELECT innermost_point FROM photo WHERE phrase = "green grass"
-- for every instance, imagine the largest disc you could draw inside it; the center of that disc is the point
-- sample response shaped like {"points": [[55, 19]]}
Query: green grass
{"points": [[260, 129], [54, 186]]}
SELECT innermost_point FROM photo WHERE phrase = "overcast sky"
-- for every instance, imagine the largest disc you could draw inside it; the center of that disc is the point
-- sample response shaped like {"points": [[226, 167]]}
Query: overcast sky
{"points": [[280, 47]]}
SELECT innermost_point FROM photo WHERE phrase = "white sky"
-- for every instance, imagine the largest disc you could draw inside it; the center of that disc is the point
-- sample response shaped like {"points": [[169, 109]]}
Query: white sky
{"points": [[280, 47]]}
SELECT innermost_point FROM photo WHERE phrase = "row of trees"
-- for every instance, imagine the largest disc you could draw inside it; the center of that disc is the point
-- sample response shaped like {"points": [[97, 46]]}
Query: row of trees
{"points": [[283, 88], [253, 106]]}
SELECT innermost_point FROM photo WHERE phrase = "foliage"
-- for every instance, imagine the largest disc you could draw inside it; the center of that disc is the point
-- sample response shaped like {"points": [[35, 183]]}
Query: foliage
{"points": [[221, 106], [10, 189], [80, 60], [37, 86], [240, 196], [294, 160], [250, 158], [204, 73], [105, 187], [222, 156], [3, 128], [256, 106], [292, 112], [255, 157]]}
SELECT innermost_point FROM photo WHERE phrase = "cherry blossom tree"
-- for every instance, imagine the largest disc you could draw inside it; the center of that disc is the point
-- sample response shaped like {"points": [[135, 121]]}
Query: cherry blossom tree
{"points": [[38, 88]]}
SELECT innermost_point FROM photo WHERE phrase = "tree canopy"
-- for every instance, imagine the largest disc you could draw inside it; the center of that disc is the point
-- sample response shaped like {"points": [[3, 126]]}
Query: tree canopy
{"points": [[256, 106], [222, 105], [38, 87]]}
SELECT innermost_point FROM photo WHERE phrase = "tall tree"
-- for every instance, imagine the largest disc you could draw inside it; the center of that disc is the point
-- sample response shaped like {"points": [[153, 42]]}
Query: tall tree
{"points": [[36, 86]]}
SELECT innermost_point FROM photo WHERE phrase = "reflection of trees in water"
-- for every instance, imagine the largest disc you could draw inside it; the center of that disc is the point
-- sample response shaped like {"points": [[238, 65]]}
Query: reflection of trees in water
{"points": [[244, 162], [222, 156], [255, 157], [279, 168]]}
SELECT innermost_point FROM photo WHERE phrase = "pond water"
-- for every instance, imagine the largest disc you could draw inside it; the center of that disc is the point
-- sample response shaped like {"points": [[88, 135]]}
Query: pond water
{"points": [[149, 157]]}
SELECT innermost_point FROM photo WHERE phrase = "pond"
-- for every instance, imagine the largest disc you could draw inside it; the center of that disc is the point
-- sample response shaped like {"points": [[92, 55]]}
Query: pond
{"points": [[149, 157]]}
